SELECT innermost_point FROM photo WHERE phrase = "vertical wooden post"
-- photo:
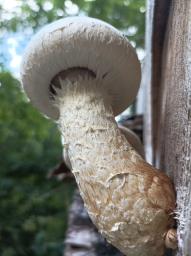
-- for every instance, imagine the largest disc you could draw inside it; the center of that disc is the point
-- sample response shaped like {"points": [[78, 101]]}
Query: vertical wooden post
{"points": [[156, 20], [169, 107]]}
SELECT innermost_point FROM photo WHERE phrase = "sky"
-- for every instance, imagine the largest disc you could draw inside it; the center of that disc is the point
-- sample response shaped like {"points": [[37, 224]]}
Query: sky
{"points": [[11, 43], [14, 43]]}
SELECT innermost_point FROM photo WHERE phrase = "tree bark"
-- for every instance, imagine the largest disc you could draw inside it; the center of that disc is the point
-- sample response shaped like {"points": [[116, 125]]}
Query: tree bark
{"points": [[170, 92]]}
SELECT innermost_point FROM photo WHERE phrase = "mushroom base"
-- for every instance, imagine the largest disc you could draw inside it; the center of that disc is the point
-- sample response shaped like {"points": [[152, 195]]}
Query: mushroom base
{"points": [[129, 201]]}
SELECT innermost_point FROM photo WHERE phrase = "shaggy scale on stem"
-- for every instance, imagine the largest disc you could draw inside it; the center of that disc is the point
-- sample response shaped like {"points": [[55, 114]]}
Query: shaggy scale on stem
{"points": [[94, 74], [128, 200]]}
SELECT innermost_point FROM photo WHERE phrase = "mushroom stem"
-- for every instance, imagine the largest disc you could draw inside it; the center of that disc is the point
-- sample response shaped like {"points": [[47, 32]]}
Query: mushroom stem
{"points": [[127, 199]]}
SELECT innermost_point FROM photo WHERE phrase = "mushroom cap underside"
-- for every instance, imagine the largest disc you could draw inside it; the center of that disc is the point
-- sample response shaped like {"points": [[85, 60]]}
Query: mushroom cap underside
{"points": [[86, 43]]}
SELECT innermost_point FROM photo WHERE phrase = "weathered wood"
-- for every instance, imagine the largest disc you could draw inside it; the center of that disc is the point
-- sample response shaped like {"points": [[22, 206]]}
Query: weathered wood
{"points": [[174, 140], [156, 20], [160, 18], [147, 82], [171, 116]]}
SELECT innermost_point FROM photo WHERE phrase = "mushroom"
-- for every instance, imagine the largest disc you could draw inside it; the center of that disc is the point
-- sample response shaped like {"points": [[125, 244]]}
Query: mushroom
{"points": [[131, 137], [82, 72]]}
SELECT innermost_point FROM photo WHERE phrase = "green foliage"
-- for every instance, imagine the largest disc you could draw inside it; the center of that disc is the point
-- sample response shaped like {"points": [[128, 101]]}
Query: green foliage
{"points": [[33, 210], [26, 134], [33, 213], [123, 14]]}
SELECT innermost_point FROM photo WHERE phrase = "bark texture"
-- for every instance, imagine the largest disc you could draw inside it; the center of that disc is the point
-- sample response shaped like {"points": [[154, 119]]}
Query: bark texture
{"points": [[171, 74]]}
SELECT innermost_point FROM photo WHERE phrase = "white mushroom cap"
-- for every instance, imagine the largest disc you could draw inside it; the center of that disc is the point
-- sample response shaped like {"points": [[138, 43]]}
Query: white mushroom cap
{"points": [[80, 42]]}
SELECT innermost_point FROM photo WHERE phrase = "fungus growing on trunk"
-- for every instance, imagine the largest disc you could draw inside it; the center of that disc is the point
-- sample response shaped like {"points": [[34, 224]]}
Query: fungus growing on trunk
{"points": [[82, 72]]}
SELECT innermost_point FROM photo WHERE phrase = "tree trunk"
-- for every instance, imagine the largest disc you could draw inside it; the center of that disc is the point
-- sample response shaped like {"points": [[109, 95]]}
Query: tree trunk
{"points": [[169, 109]]}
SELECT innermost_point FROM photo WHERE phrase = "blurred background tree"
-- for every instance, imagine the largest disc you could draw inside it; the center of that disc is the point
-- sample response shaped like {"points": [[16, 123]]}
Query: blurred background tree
{"points": [[33, 211]]}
